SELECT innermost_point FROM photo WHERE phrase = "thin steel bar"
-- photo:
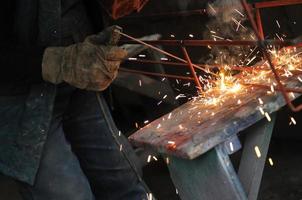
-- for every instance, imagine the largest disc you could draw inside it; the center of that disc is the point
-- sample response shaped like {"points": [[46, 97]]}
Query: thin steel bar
{"points": [[209, 66], [196, 80], [270, 4], [197, 43], [268, 58], [211, 42], [156, 74], [294, 90], [145, 61], [259, 23], [164, 52]]}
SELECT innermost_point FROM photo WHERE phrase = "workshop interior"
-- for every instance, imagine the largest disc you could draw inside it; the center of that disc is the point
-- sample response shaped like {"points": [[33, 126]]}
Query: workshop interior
{"points": [[204, 105]]}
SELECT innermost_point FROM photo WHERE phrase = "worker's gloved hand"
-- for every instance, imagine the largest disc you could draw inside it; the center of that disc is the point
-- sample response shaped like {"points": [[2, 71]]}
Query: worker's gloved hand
{"points": [[90, 65]]}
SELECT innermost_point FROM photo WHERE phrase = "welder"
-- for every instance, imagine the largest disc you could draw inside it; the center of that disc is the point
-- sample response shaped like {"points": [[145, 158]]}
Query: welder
{"points": [[57, 138]]}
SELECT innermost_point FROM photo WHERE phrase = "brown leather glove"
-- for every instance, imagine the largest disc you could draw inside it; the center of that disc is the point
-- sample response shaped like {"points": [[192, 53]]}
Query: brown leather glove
{"points": [[90, 65]]}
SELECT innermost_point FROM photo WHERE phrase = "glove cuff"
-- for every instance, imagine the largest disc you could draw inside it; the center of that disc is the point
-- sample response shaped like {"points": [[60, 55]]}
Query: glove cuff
{"points": [[51, 64]]}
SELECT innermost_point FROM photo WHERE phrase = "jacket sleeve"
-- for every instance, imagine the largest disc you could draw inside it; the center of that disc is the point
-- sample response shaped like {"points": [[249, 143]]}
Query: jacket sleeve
{"points": [[20, 63]]}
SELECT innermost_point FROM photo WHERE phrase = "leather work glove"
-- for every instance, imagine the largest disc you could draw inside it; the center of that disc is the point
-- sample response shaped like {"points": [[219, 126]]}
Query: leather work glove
{"points": [[92, 64]]}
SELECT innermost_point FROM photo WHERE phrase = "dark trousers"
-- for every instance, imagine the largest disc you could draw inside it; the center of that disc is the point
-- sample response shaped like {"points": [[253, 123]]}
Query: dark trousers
{"points": [[84, 158]]}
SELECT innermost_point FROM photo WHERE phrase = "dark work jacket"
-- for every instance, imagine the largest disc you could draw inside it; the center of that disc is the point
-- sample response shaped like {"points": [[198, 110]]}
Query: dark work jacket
{"points": [[26, 101]]}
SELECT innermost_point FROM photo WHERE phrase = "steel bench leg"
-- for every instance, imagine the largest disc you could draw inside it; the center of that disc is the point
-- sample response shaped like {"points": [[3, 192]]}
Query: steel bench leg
{"points": [[251, 167], [212, 176], [208, 177]]}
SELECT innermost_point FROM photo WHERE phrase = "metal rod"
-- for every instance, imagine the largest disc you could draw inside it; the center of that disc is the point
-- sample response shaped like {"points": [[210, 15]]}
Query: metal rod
{"points": [[159, 62], [294, 90], [210, 66], [211, 42], [259, 23], [268, 58], [156, 74], [270, 4], [163, 52], [196, 80]]}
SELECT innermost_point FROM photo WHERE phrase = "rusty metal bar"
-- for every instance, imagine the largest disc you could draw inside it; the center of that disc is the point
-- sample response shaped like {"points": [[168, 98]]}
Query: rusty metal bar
{"points": [[165, 15], [270, 4], [210, 66], [294, 90], [268, 58], [145, 61], [211, 42], [259, 23], [156, 74], [163, 52], [193, 72]]}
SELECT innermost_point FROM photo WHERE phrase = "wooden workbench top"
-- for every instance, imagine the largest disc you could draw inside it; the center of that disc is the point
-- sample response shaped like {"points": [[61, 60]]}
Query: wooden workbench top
{"points": [[200, 124]]}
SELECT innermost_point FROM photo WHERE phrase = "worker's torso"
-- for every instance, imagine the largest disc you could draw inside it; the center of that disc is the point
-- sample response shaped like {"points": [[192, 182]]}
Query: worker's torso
{"points": [[24, 118], [62, 22]]}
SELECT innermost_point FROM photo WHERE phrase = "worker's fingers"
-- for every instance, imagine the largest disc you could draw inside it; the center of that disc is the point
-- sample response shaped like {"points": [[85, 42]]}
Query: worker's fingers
{"points": [[109, 36]]}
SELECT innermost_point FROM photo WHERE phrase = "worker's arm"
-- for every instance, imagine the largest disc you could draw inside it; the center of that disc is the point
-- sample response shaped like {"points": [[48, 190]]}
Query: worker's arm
{"points": [[92, 64], [20, 63]]}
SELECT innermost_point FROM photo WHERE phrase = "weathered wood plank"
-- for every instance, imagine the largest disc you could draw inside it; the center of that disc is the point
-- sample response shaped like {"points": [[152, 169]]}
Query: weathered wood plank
{"points": [[251, 167], [208, 177], [202, 123], [194, 128]]}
